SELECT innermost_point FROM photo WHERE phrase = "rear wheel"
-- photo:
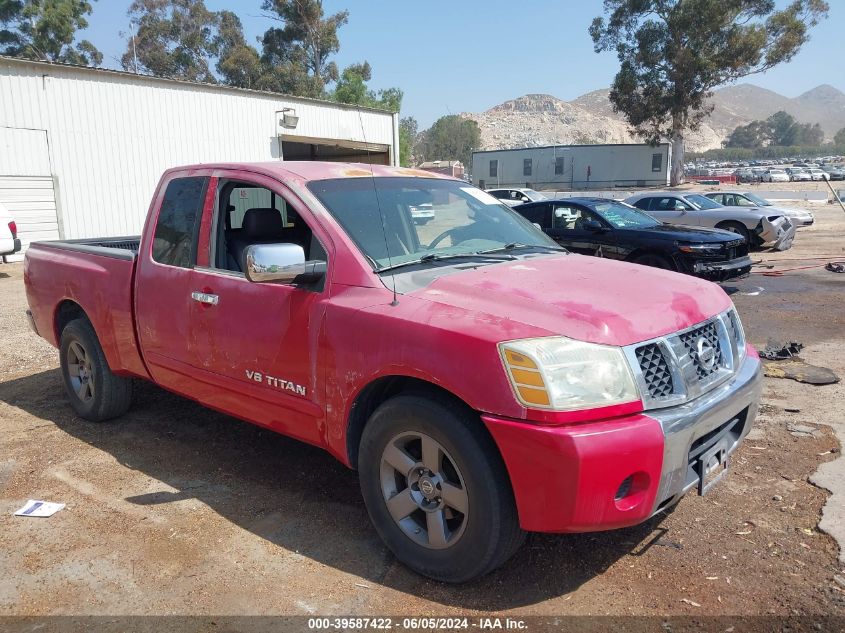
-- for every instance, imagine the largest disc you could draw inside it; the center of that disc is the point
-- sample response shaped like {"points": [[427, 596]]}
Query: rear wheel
{"points": [[736, 227], [95, 392], [655, 260], [436, 489]]}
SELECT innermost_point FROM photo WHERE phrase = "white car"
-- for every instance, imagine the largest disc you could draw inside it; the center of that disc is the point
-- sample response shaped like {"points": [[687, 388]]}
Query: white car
{"points": [[422, 213], [748, 200], [515, 196], [819, 174], [775, 175], [9, 241]]}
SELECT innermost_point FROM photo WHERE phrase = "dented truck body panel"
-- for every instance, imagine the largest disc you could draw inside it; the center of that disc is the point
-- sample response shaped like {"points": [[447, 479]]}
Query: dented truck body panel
{"points": [[297, 360]]}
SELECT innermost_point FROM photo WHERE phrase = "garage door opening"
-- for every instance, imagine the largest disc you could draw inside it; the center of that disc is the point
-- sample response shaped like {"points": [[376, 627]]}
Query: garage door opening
{"points": [[351, 152]]}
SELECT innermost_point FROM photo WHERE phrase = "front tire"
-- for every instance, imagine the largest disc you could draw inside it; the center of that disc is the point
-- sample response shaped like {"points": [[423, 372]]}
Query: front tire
{"points": [[739, 229], [436, 488], [95, 392], [655, 260]]}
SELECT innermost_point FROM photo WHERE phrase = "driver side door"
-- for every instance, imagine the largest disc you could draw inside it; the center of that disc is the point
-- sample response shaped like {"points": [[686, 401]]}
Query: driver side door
{"points": [[568, 229], [672, 211], [255, 344]]}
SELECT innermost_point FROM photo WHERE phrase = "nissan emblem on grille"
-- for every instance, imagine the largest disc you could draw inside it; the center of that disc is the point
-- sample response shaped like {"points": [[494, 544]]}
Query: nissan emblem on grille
{"points": [[706, 353]]}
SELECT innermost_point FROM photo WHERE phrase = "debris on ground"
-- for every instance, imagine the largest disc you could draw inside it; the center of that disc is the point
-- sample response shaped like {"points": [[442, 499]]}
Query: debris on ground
{"points": [[835, 267], [36, 508], [780, 351], [802, 430], [800, 371]]}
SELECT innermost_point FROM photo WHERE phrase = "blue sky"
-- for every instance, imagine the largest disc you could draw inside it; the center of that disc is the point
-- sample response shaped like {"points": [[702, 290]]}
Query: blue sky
{"points": [[469, 56]]}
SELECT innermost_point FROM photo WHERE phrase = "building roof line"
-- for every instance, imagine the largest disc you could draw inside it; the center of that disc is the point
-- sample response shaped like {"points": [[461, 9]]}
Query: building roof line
{"points": [[208, 86], [522, 149]]}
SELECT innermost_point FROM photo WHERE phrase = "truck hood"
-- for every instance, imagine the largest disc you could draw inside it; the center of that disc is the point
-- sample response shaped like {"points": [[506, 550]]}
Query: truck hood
{"points": [[584, 298]]}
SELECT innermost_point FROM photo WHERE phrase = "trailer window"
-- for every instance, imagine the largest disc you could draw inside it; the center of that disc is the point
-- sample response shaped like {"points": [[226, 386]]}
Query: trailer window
{"points": [[494, 169], [656, 162], [559, 166], [526, 167], [175, 238]]}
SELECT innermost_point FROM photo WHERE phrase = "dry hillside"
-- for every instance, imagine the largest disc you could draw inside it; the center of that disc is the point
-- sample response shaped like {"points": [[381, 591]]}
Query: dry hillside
{"points": [[538, 119]]}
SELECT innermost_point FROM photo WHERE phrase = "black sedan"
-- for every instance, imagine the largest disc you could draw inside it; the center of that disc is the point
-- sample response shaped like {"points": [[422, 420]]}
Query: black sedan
{"points": [[607, 228]]}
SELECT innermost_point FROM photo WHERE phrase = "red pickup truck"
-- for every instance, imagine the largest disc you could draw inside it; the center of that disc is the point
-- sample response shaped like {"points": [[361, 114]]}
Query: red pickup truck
{"points": [[483, 381]]}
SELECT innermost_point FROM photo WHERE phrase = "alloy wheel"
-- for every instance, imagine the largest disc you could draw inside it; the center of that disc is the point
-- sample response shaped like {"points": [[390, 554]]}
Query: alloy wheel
{"points": [[80, 371], [424, 490]]}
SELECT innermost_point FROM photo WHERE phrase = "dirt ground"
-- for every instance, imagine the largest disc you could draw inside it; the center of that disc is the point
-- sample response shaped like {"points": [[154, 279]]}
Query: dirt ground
{"points": [[174, 509]]}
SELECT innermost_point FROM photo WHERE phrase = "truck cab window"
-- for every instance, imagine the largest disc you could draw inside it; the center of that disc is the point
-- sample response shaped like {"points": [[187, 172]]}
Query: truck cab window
{"points": [[249, 214], [175, 238]]}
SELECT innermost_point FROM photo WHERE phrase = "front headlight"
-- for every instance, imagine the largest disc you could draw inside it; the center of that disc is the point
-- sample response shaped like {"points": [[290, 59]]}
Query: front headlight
{"points": [[565, 375], [700, 248]]}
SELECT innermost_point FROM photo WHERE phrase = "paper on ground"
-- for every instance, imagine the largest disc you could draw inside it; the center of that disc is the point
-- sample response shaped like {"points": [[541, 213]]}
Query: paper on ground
{"points": [[35, 508]]}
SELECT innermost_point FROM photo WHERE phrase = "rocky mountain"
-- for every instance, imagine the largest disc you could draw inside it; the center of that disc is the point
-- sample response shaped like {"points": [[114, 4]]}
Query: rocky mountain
{"points": [[538, 119]]}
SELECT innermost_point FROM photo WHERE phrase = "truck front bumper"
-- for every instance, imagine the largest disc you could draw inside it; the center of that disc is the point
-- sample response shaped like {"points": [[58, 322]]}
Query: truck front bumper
{"points": [[619, 472]]}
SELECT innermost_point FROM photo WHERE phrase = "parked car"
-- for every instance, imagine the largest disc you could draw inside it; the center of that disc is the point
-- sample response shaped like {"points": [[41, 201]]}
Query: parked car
{"points": [[798, 174], [836, 172], [615, 230], [513, 197], [819, 174], [481, 380], [422, 213], [9, 241], [746, 199], [775, 175], [759, 228]]}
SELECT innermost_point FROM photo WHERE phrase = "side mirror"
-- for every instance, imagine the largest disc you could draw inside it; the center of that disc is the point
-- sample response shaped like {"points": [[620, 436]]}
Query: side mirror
{"points": [[281, 263], [537, 225], [593, 225]]}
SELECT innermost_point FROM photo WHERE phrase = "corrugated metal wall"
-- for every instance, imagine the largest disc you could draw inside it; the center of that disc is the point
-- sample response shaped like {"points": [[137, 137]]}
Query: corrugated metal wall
{"points": [[111, 135]]}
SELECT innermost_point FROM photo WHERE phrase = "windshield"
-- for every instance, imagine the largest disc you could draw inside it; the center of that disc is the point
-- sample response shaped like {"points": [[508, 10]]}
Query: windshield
{"points": [[701, 202], [760, 202], [622, 216], [377, 215]]}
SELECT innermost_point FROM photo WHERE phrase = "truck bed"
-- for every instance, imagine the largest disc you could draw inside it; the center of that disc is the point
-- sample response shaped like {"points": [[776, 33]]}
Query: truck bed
{"points": [[95, 276], [114, 247]]}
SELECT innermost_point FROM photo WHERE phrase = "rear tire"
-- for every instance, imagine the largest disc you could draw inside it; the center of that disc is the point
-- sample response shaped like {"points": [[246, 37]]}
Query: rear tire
{"points": [[436, 488], [95, 392]]}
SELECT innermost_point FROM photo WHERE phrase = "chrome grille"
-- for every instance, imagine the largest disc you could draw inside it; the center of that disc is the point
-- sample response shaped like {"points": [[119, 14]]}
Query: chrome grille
{"points": [[655, 370], [670, 370], [690, 339]]}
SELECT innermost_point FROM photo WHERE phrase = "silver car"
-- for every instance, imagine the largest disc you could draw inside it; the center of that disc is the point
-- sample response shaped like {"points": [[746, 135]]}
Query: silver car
{"points": [[748, 200], [759, 228]]}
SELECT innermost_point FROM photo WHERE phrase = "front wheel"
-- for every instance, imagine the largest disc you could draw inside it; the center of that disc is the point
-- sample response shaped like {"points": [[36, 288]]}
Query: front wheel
{"points": [[736, 227], [655, 260], [436, 489], [95, 392]]}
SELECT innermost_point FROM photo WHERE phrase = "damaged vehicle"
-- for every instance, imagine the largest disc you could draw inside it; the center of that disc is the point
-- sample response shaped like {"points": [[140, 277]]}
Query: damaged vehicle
{"points": [[749, 200], [615, 230], [483, 381], [760, 228]]}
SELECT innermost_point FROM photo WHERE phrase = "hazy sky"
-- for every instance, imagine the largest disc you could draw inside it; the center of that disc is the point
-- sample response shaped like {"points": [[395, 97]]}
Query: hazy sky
{"points": [[471, 55]]}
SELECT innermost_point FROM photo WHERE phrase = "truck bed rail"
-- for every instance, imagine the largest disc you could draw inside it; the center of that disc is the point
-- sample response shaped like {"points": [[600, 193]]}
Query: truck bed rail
{"points": [[114, 247]]}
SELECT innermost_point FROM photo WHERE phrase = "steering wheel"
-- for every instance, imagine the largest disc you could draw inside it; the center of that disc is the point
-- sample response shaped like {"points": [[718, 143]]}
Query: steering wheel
{"points": [[441, 237]]}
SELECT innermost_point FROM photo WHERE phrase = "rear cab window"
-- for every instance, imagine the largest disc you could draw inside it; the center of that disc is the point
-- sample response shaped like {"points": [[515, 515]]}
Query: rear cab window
{"points": [[177, 227]]}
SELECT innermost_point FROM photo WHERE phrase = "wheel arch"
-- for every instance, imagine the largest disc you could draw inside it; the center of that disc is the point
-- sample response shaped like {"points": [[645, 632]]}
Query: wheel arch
{"points": [[66, 311], [380, 390], [651, 250]]}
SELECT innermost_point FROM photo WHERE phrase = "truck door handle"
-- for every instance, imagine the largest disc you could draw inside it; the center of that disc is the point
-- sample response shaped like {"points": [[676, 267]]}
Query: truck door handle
{"points": [[204, 297]]}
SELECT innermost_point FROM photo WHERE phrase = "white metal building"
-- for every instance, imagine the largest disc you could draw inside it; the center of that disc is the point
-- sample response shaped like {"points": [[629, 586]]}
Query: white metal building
{"points": [[81, 149], [573, 167]]}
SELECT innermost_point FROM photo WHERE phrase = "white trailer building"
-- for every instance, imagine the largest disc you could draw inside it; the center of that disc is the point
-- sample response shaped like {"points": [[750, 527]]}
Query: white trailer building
{"points": [[81, 149], [558, 167]]}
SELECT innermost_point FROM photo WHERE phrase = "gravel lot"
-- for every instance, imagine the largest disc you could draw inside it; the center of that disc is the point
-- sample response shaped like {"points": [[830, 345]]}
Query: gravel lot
{"points": [[174, 509]]}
